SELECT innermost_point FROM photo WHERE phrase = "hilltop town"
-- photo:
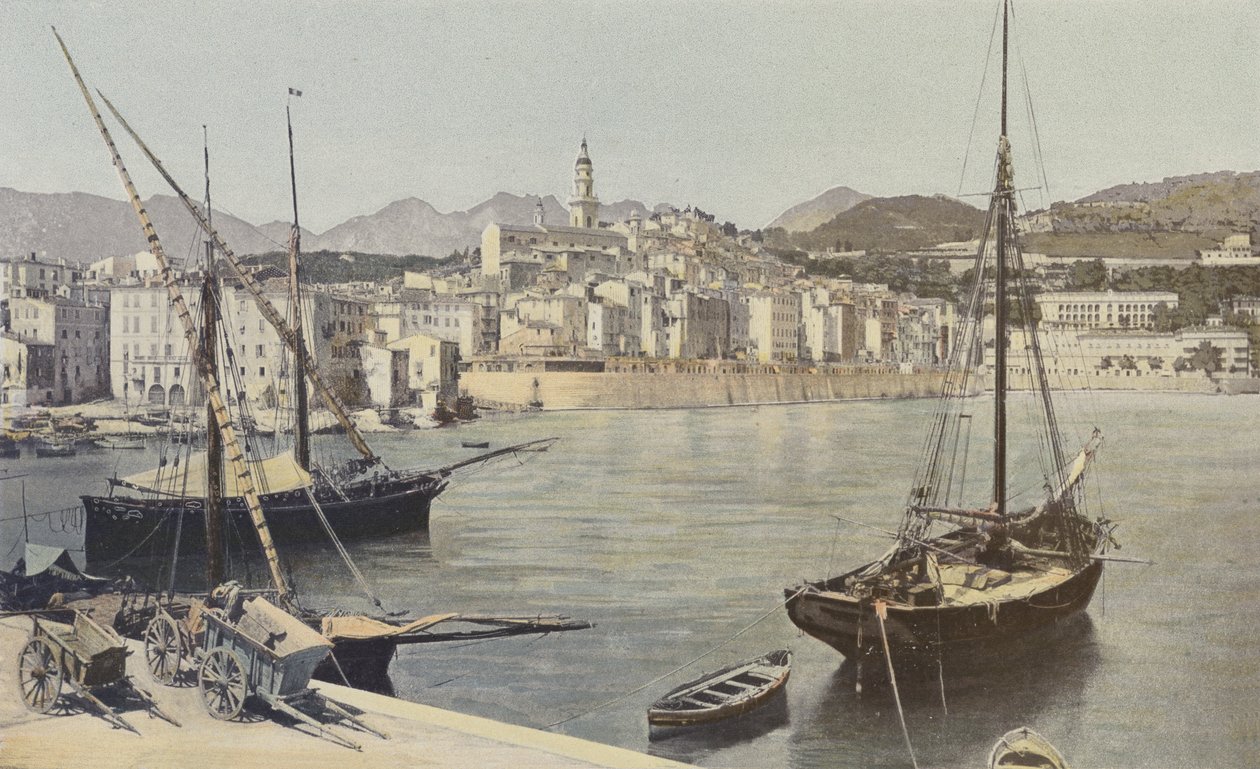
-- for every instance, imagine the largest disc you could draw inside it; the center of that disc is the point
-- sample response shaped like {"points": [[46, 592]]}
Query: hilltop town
{"points": [[655, 292]]}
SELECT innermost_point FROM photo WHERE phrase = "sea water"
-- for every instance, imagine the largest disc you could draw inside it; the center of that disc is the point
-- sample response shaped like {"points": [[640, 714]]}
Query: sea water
{"points": [[675, 532]]}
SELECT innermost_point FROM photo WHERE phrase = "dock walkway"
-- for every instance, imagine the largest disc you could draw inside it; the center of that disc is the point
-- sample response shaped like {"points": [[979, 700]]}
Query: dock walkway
{"points": [[420, 736]]}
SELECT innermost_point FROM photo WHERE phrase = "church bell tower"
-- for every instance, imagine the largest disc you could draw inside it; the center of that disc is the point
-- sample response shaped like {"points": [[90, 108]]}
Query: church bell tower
{"points": [[583, 206]]}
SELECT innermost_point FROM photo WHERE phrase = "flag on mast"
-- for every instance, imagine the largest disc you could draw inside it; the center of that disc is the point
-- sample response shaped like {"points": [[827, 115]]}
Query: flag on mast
{"points": [[294, 92]]}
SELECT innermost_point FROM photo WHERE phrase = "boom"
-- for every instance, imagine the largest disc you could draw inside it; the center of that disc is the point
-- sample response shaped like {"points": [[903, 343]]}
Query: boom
{"points": [[209, 377]]}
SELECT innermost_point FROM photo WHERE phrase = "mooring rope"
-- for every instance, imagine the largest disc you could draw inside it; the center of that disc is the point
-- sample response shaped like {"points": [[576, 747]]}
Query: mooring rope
{"points": [[880, 610], [683, 666], [341, 550]]}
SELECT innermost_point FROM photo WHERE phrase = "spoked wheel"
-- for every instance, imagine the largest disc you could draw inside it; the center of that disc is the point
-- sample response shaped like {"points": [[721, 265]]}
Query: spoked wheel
{"points": [[163, 649], [222, 683], [39, 675]]}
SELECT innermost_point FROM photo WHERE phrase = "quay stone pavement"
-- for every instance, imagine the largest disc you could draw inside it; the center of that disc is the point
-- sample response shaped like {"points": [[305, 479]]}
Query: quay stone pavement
{"points": [[420, 736]]}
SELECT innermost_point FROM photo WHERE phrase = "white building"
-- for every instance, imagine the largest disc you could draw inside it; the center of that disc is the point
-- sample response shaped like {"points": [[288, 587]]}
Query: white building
{"points": [[1103, 309], [79, 336], [500, 241], [774, 321], [34, 277], [1235, 250]]}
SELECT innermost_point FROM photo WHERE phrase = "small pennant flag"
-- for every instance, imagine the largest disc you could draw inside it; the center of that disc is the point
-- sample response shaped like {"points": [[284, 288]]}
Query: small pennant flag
{"points": [[294, 92]]}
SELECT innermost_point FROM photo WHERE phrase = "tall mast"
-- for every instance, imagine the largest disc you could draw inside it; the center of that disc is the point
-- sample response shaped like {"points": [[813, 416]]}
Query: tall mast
{"points": [[215, 573], [265, 306], [301, 430], [1001, 199], [209, 377]]}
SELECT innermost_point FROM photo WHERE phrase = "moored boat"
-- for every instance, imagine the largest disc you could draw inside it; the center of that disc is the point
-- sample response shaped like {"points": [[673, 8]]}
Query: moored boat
{"points": [[119, 442], [1011, 563], [1025, 749], [732, 691], [55, 447]]}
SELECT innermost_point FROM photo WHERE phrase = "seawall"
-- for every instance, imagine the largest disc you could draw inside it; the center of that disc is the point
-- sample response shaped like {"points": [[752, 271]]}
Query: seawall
{"points": [[561, 390], [567, 390]]}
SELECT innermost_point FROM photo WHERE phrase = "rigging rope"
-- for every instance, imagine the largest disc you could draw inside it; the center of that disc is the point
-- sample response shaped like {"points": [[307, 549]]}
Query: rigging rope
{"points": [[341, 550], [979, 97], [683, 666]]}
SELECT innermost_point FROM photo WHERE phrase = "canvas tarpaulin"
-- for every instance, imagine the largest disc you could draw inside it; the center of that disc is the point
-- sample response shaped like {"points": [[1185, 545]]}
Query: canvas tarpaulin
{"points": [[270, 475], [358, 628]]}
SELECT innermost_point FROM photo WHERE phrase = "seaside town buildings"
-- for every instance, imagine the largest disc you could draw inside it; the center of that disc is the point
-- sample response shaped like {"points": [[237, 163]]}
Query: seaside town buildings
{"points": [[659, 285]]}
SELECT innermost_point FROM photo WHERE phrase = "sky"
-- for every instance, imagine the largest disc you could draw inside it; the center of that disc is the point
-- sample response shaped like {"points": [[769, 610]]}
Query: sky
{"points": [[739, 108]]}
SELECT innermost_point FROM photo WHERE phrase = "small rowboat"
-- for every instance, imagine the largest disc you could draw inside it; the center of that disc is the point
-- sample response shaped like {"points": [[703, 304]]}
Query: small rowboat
{"points": [[726, 693], [1025, 749], [475, 444]]}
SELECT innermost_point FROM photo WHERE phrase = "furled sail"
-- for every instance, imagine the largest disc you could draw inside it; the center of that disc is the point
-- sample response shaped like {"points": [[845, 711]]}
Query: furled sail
{"points": [[271, 475]]}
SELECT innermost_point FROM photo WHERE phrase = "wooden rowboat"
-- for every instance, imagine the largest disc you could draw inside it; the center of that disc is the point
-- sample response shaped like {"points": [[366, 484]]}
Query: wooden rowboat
{"points": [[1025, 749], [726, 693]]}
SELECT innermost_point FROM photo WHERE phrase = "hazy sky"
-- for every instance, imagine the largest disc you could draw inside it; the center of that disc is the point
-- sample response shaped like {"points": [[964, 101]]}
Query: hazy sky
{"points": [[740, 108]]}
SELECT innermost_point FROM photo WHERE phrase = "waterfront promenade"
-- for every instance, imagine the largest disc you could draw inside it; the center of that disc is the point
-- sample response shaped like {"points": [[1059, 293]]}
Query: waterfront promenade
{"points": [[420, 736]]}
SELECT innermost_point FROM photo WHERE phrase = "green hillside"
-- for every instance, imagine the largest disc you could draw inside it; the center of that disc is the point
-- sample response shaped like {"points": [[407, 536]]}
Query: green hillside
{"points": [[891, 224]]}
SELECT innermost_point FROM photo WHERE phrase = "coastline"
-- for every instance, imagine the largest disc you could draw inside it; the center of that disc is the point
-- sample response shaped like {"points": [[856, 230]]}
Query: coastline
{"points": [[508, 392]]}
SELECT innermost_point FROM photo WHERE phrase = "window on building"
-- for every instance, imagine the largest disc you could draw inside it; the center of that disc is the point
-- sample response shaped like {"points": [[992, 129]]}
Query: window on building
{"points": [[63, 333], [259, 351], [262, 371]]}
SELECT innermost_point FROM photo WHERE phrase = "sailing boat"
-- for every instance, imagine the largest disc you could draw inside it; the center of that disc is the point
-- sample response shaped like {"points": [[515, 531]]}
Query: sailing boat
{"points": [[1004, 567], [302, 498], [362, 646]]}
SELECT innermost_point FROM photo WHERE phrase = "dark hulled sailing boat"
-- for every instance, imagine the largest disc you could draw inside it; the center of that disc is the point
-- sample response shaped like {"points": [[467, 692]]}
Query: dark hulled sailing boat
{"points": [[360, 499], [1001, 569], [362, 646]]}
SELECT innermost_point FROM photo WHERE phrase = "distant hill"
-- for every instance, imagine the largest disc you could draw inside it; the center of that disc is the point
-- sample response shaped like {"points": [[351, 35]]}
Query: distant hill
{"points": [[809, 215], [894, 224], [1210, 205], [83, 228]]}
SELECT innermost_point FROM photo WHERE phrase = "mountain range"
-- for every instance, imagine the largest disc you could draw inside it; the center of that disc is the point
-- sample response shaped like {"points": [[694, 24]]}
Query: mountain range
{"points": [[83, 228]]}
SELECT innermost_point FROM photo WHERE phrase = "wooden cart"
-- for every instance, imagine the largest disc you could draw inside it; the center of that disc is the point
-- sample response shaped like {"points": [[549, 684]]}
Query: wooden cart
{"points": [[262, 651], [83, 655], [170, 642]]}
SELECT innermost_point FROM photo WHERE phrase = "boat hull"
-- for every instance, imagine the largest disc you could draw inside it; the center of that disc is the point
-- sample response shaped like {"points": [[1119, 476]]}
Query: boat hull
{"points": [[850, 626], [722, 695], [118, 527]]}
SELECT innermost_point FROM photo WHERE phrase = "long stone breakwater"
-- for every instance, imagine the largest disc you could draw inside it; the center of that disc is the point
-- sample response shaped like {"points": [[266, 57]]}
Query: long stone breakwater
{"points": [[561, 390]]}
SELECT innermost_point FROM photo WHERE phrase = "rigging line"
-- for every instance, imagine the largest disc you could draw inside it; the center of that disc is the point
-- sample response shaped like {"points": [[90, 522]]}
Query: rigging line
{"points": [[341, 550], [1032, 116], [975, 118], [139, 544], [683, 666]]}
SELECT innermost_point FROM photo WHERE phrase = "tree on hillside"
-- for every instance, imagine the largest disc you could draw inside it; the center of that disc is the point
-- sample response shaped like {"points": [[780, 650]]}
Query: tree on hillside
{"points": [[1165, 318], [1088, 276], [1207, 358]]}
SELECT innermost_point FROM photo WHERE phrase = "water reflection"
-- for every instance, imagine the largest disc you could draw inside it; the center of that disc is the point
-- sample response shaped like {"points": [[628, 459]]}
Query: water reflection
{"points": [[1027, 681]]}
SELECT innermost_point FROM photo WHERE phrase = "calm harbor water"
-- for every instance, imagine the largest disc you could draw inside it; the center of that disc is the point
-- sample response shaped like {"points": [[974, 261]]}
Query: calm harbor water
{"points": [[676, 531]]}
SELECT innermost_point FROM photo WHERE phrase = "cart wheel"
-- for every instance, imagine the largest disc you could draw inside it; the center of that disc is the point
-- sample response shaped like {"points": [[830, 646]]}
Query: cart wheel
{"points": [[222, 683], [163, 649], [39, 675]]}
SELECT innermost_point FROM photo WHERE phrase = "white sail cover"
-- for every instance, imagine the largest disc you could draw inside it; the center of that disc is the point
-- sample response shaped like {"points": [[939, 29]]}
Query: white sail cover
{"points": [[270, 475]]}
